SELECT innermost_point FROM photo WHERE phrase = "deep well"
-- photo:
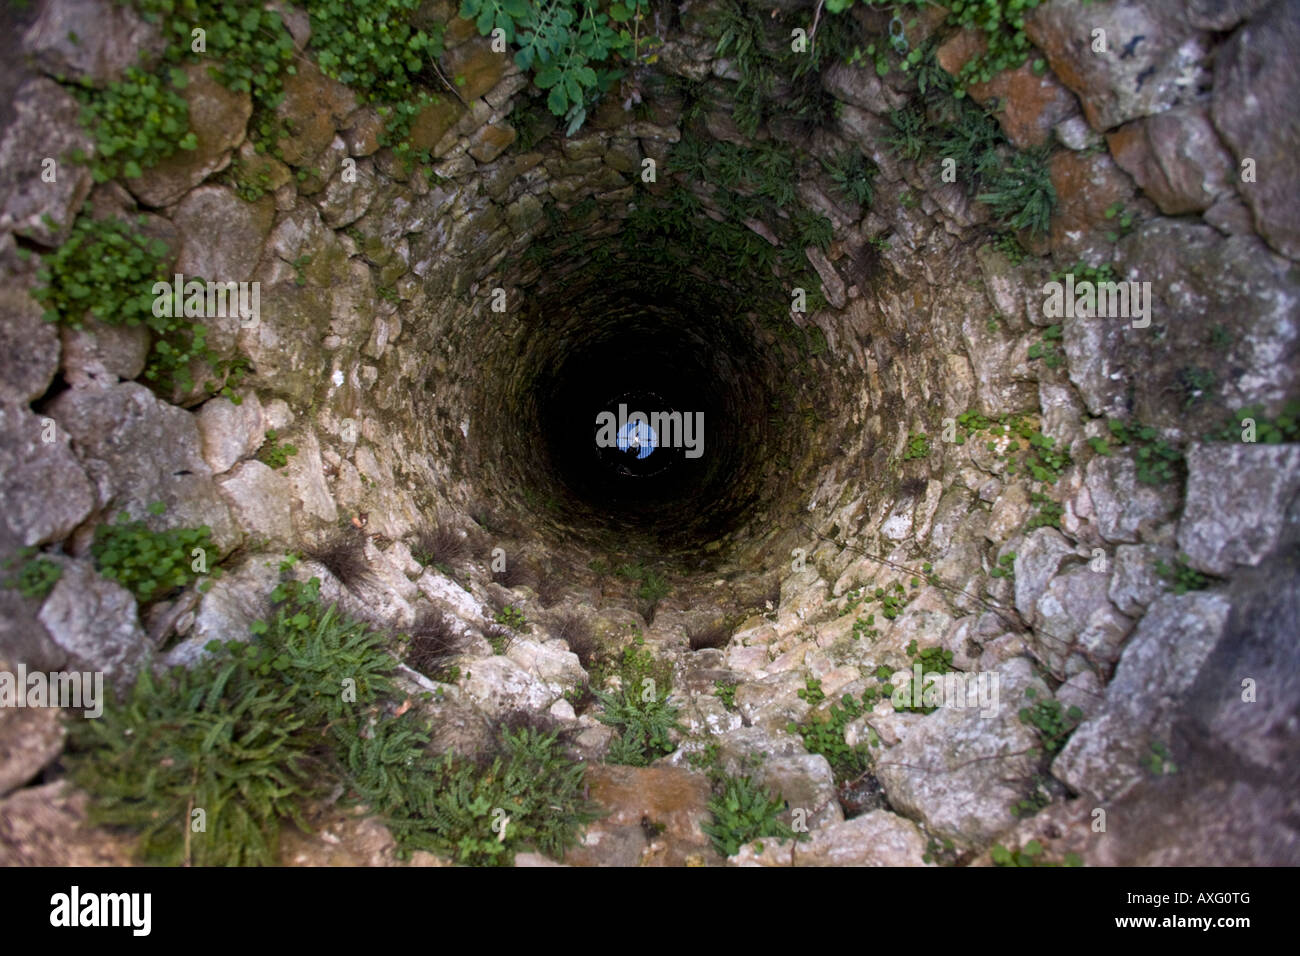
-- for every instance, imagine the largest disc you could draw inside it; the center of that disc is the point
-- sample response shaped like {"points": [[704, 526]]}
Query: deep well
{"points": [[1084, 518]]}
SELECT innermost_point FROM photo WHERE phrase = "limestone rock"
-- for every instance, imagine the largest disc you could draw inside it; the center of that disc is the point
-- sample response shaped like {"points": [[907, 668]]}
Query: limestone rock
{"points": [[1255, 88], [315, 105], [500, 686], [94, 40], [94, 620], [1074, 615], [215, 211], [1237, 499], [654, 818], [217, 118], [45, 126], [259, 498], [1153, 61], [878, 838], [139, 450], [29, 346], [46, 826], [30, 738], [960, 773], [1176, 158], [1037, 562], [1125, 508], [228, 431], [44, 493], [1105, 756], [99, 355]]}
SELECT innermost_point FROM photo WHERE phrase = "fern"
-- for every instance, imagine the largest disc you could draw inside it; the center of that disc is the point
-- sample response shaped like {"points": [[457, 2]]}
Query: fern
{"points": [[644, 726], [742, 813]]}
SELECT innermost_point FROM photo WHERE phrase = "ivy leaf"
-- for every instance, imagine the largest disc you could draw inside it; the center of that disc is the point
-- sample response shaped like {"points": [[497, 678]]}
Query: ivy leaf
{"points": [[547, 77], [557, 101]]}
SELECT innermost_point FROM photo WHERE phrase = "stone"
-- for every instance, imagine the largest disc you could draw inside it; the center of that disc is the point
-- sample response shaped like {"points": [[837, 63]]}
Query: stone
{"points": [[93, 40], [99, 355], [218, 117], [959, 773], [500, 686], [44, 126], [1104, 758], [773, 701], [242, 227], [94, 620], [228, 608], [1176, 158], [314, 105], [1222, 15], [44, 492], [1237, 500], [803, 781], [30, 739], [1037, 561], [46, 826], [860, 87], [228, 431], [1074, 616], [550, 662], [1030, 105], [433, 122], [1126, 509], [341, 202], [1134, 582], [653, 818], [1254, 97], [1154, 60], [878, 838], [490, 141], [29, 346], [259, 498], [1086, 184], [139, 450]]}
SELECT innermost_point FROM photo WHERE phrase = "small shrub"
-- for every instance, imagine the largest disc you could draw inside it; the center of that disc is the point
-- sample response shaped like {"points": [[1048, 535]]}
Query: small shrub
{"points": [[35, 577], [744, 812], [274, 454], [644, 725], [149, 564], [344, 556], [440, 545]]}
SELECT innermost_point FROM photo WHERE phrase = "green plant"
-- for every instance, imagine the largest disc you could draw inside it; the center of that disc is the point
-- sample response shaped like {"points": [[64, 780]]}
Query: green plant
{"points": [[1123, 220], [812, 691], [823, 733], [256, 730], [1048, 513], [566, 45], [654, 587], [908, 139], [274, 454], [249, 47], [1046, 348], [149, 563], [1181, 578], [918, 446], [513, 618], [1053, 722], [1269, 431], [1020, 192], [1028, 855], [136, 122], [744, 812], [1159, 761], [1006, 567], [106, 269], [36, 575], [644, 722], [1157, 461], [726, 693], [854, 175], [1196, 383]]}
